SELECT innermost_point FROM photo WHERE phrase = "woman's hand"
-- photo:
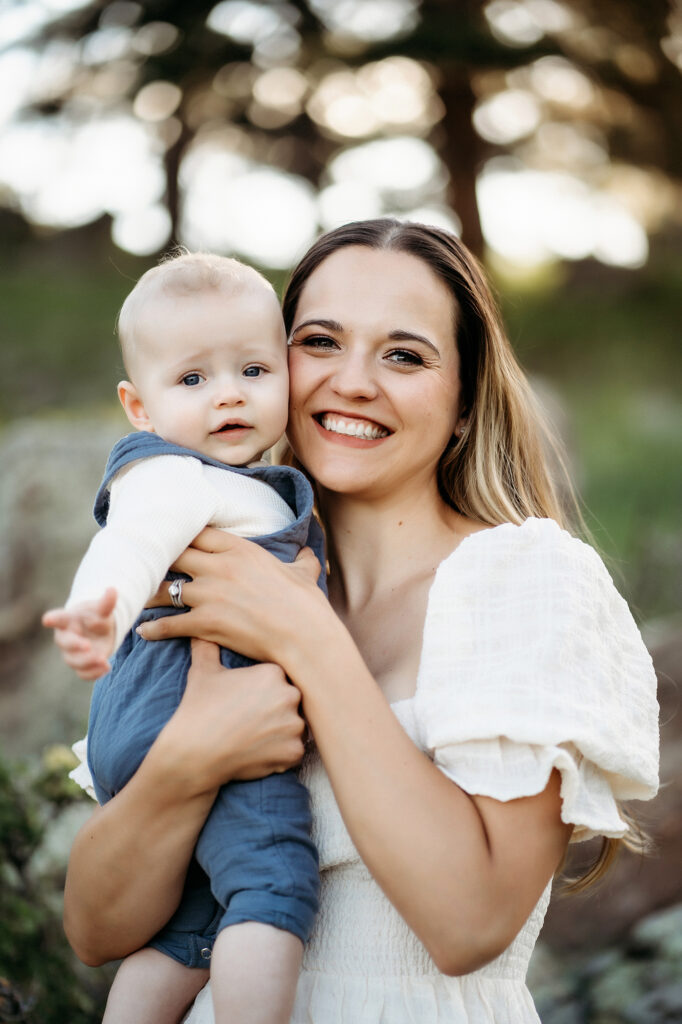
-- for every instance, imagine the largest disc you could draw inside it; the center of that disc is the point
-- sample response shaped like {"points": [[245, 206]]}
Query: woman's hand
{"points": [[239, 723], [242, 597]]}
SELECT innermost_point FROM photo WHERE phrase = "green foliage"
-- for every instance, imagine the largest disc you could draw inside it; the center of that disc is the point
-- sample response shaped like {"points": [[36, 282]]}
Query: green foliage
{"points": [[58, 344], [40, 979], [607, 342]]}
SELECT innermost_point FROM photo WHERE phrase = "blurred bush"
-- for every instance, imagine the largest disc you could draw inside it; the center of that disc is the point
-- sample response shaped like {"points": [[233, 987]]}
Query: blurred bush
{"points": [[41, 982]]}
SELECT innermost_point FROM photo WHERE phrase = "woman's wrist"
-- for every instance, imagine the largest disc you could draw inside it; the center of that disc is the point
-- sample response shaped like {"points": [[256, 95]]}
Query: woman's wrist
{"points": [[311, 630], [177, 774], [314, 654]]}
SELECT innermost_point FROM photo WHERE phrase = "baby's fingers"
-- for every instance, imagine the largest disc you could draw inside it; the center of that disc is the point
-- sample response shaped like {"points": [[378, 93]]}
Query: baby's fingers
{"points": [[93, 670], [71, 643], [56, 618], [107, 602], [85, 662]]}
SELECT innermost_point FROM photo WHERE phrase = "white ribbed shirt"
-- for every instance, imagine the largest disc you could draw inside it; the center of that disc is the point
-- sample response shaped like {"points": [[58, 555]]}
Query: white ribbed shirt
{"points": [[157, 507]]}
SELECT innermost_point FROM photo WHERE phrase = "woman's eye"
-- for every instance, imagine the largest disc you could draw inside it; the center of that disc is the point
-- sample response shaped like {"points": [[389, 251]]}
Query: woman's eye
{"points": [[192, 379], [317, 341], [403, 357], [254, 371]]}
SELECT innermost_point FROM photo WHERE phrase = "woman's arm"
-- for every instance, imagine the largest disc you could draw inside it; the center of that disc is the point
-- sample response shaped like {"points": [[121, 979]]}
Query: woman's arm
{"points": [[463, 871], [128, 863]]}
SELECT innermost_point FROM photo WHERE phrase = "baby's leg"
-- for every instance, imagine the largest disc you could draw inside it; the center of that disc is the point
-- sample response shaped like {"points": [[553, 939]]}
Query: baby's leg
{"points": [[254, 971], [152, 988]]}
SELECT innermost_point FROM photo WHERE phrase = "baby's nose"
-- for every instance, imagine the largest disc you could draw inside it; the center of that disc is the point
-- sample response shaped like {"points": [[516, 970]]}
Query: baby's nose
{"points": [[228, 392]]}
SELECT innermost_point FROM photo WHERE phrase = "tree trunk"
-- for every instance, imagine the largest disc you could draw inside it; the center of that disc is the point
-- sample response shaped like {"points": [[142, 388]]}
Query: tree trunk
{"points": [[172, 161], [462, 152]]}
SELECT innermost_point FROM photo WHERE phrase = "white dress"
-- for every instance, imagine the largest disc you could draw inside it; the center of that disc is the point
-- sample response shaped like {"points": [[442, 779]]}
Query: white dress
{"points": [[530, 661]]}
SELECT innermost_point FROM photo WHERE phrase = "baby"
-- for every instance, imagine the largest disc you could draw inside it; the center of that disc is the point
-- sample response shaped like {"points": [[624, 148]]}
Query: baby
{"points": [[204, 346]]}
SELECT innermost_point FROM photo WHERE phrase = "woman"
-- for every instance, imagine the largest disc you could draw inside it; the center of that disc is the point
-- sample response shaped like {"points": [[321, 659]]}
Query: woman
{"points": [[476, 688]]}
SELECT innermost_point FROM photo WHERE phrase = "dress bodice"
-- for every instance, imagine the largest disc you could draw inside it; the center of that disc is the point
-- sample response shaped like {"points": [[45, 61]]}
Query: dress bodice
{"points": [[356, 916]]}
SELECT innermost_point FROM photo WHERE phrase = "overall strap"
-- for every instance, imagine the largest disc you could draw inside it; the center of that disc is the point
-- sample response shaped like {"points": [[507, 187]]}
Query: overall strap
{"points": [[290, 484]]}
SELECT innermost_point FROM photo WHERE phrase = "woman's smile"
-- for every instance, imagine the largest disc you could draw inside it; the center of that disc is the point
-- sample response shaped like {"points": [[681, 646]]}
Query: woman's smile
{"points": [[348, 426]]}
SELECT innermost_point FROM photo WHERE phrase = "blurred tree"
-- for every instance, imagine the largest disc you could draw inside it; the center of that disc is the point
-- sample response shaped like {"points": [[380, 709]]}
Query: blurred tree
{"points": [[576, 86]]}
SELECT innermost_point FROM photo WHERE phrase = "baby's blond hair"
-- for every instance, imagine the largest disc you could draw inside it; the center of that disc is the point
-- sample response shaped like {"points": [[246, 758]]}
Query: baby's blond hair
{"points": [[183, 273]]}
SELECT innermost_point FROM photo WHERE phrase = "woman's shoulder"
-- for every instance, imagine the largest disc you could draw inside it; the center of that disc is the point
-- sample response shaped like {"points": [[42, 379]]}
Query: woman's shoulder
{"points": [[519, 559], [527, 537], [532, 594], [531, 604]]}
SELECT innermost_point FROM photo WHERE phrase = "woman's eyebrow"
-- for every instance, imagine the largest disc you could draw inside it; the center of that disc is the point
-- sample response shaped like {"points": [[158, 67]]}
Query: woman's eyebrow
{"points": [[412, 336], [330, 325]]}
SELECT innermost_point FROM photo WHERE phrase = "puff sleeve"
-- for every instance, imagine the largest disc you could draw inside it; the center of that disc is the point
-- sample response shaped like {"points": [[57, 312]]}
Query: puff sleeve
{"points": [[532, 661]]}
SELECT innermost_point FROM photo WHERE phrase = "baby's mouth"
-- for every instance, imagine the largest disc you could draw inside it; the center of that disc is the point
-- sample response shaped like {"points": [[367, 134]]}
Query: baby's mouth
{"points": [[232, 425], [351, 427]]}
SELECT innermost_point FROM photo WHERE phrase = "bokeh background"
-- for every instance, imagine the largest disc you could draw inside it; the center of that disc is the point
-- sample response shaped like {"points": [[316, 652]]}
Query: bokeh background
{"points": [[546, 133]]}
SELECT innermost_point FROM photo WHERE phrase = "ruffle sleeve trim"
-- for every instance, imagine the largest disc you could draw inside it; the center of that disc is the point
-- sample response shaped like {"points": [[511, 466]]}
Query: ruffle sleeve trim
{"points": [[505, 770]]}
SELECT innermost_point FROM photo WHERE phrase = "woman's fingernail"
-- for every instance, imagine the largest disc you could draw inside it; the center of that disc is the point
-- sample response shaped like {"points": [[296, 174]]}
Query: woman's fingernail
{"points": [[140, 632]]}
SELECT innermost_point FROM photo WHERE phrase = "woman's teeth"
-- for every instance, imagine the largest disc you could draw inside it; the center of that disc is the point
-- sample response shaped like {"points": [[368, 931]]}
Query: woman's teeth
{"points": [[353, 428]]}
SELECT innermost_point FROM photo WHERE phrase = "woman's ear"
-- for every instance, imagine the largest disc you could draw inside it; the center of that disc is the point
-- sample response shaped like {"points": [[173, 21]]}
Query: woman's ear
{"points": [[132, 404], [462, 424]]}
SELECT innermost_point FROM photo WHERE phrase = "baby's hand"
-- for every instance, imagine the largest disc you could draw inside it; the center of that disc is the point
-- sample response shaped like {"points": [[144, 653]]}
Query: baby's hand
{"points": [[85, 634]]}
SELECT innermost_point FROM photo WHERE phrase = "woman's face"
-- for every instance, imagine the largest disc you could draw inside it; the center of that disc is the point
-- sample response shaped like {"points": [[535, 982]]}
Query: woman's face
{"points": [[374, 374]]}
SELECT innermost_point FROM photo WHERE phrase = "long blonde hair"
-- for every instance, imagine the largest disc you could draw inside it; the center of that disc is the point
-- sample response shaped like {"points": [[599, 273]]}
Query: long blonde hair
{"points": [[506, 466]]}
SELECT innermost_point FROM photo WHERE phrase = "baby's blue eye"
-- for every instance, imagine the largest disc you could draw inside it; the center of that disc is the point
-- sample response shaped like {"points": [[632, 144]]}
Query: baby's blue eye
{"points": [[253, 371], [192, 379]]}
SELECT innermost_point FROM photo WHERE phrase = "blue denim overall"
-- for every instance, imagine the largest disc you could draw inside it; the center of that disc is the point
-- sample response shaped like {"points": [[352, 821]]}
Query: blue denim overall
{"points": [[254, 859]]}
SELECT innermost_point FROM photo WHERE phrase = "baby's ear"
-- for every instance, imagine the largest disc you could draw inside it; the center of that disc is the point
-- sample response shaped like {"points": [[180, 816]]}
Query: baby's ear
{"points": [[132, 404]]}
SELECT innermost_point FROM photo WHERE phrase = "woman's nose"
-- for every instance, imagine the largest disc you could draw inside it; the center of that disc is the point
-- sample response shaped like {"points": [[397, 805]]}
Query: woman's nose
{"points": [[354, 376]]}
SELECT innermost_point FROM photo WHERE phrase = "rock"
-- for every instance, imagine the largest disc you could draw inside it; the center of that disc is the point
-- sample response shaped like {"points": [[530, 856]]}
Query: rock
{"points": [[662, 933], [638, 980], [664, 1006], [618, 988], [553, 987], [50, 470]]}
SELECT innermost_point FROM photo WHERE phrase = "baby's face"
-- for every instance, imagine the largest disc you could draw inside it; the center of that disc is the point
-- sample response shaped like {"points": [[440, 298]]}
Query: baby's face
{"points": [[210, 369]]}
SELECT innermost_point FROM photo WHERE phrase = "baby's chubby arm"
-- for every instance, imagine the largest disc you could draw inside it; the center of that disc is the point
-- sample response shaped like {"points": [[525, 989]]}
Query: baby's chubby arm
{"points": [[157, 507], [85, 634]]}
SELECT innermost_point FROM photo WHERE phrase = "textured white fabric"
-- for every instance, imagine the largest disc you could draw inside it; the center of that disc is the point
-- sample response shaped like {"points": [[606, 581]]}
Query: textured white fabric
{"points": [[81, 773], [157, 507], [530, 660]]}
